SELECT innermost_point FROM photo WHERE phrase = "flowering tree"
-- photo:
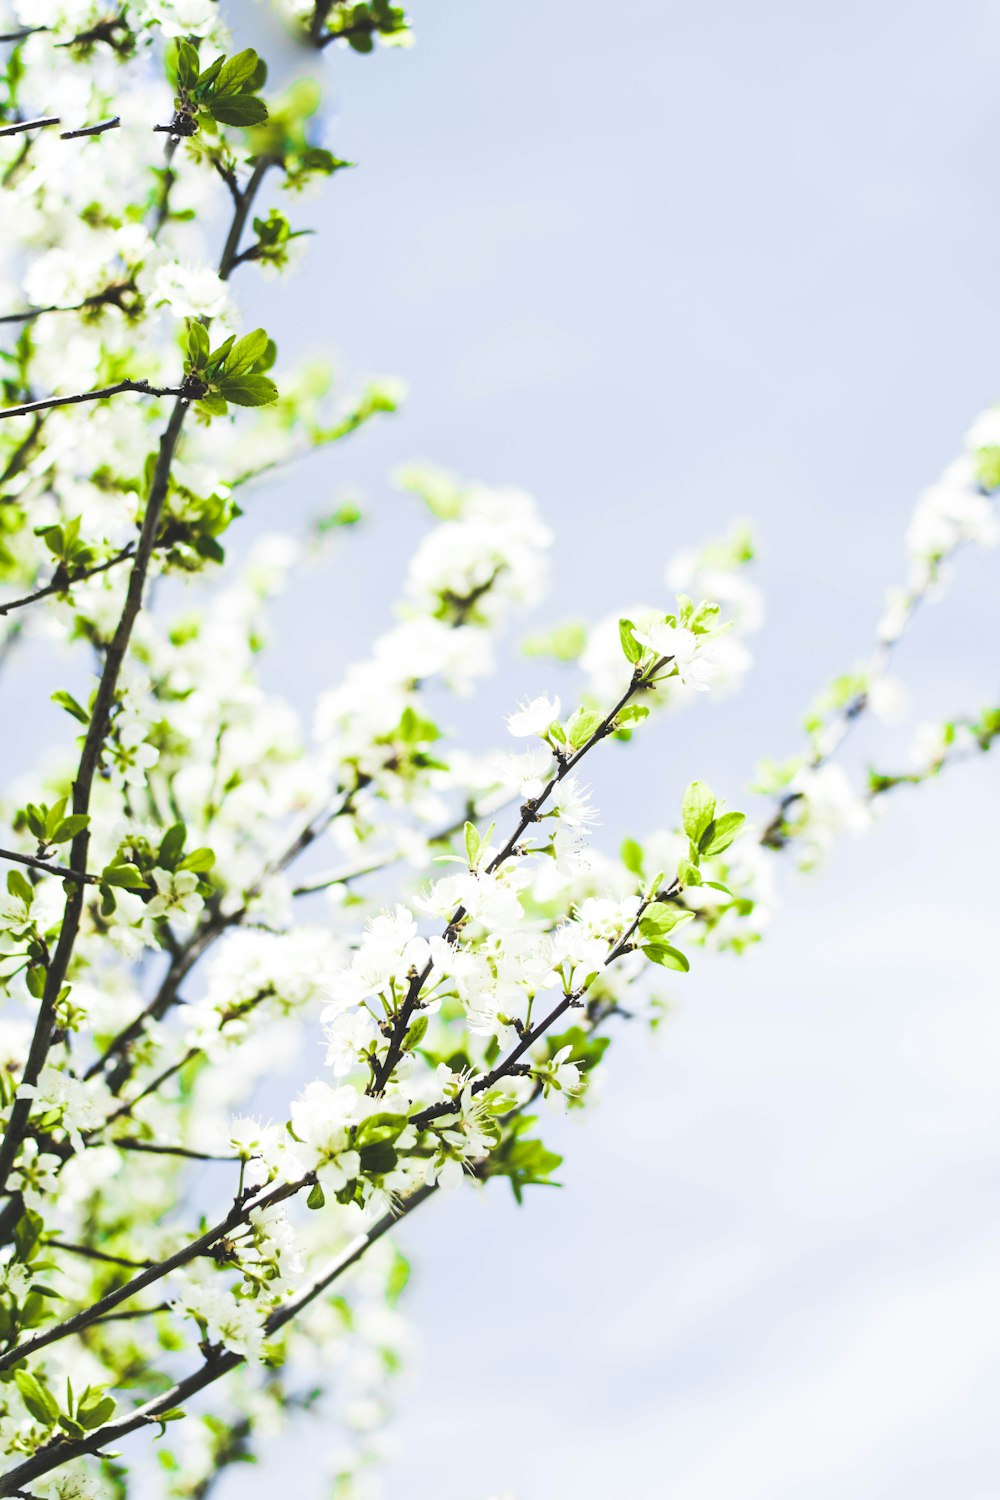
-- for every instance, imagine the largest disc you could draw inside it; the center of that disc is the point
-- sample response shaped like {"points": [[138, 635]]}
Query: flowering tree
{"points": [[161, 948]]}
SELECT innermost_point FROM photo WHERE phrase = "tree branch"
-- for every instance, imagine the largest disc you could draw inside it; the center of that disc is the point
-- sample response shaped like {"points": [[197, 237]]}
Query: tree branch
{"points": [[65, 872], [63, 585], [62, 1450], [383, 1071], [142, 386], [99, 129], [20, 126], [239, 1214]]}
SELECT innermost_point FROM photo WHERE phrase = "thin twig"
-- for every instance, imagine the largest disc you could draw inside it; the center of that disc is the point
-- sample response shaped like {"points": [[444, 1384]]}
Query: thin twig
{"points": [[382, 1071], [71, 135], [22, 125], [143, 387], [217, 1364], [63, 586], [89, 1253], [64, 872]]}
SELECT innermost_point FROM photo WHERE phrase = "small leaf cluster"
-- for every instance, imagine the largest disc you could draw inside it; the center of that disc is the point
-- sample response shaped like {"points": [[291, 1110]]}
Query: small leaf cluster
{"points": [[224, 93], [72, 555], [134, 861], [51, 825], [234, 372], [522, 1158], [358, 25], [273, 237], [19, 1312], [710, 831]]}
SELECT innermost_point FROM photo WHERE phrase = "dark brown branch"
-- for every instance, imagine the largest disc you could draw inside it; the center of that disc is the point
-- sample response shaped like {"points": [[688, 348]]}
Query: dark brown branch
{"points": [[63, 585], [89, 1253], [143, 387], [219, 1363], [22, 125], [100, 719], [72, 135], [90, 759], [130, 1143], [47, 868], [237, 1216]]}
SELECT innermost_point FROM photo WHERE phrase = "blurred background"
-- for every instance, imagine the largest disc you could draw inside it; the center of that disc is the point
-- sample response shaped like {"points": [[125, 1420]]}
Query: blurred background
{"points": [[665, 266]]}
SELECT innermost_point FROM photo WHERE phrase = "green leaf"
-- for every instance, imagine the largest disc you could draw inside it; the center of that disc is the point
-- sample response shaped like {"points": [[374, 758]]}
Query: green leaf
{"points": [[245, 353], [199, 860], [126, 876], [197, 343], [69, 828], [213, 404], [633, 651], [720, 834], [660, 918], [95, 1411], [381, 1127], [187, 66], [697, 810], [249, 390], [666, 957], [245, 110], [27, 1233], [69, 703], [172, 846], [416, 1033], [19, 887], [581, 726], [235, 72], [218, 356], [473, 843], [317, 1197], [631, 856], [35, 980], [37, 1399], [378, 1158]]}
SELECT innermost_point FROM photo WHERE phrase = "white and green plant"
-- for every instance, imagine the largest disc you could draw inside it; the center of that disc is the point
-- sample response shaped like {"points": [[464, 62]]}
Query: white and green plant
{"points": [[177, 1275]]}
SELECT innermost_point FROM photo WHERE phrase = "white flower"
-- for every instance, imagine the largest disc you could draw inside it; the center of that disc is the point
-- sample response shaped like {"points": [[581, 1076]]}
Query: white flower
{"points": [[37, 1171], [176, 892], [185, 17], [888, 699], [230, 1320], [76, 1102], [692, 655], [525, 772], [559, 1077], [348, 1035], [533, 717], [190, 291]]}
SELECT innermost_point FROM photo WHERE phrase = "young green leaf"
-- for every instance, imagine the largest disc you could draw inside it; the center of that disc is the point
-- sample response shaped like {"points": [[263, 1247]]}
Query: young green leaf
{"points": [[667, 957], [243, 110], [697, 810], [248, 390], [631, 647], [719, 834], [245, 353]]}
